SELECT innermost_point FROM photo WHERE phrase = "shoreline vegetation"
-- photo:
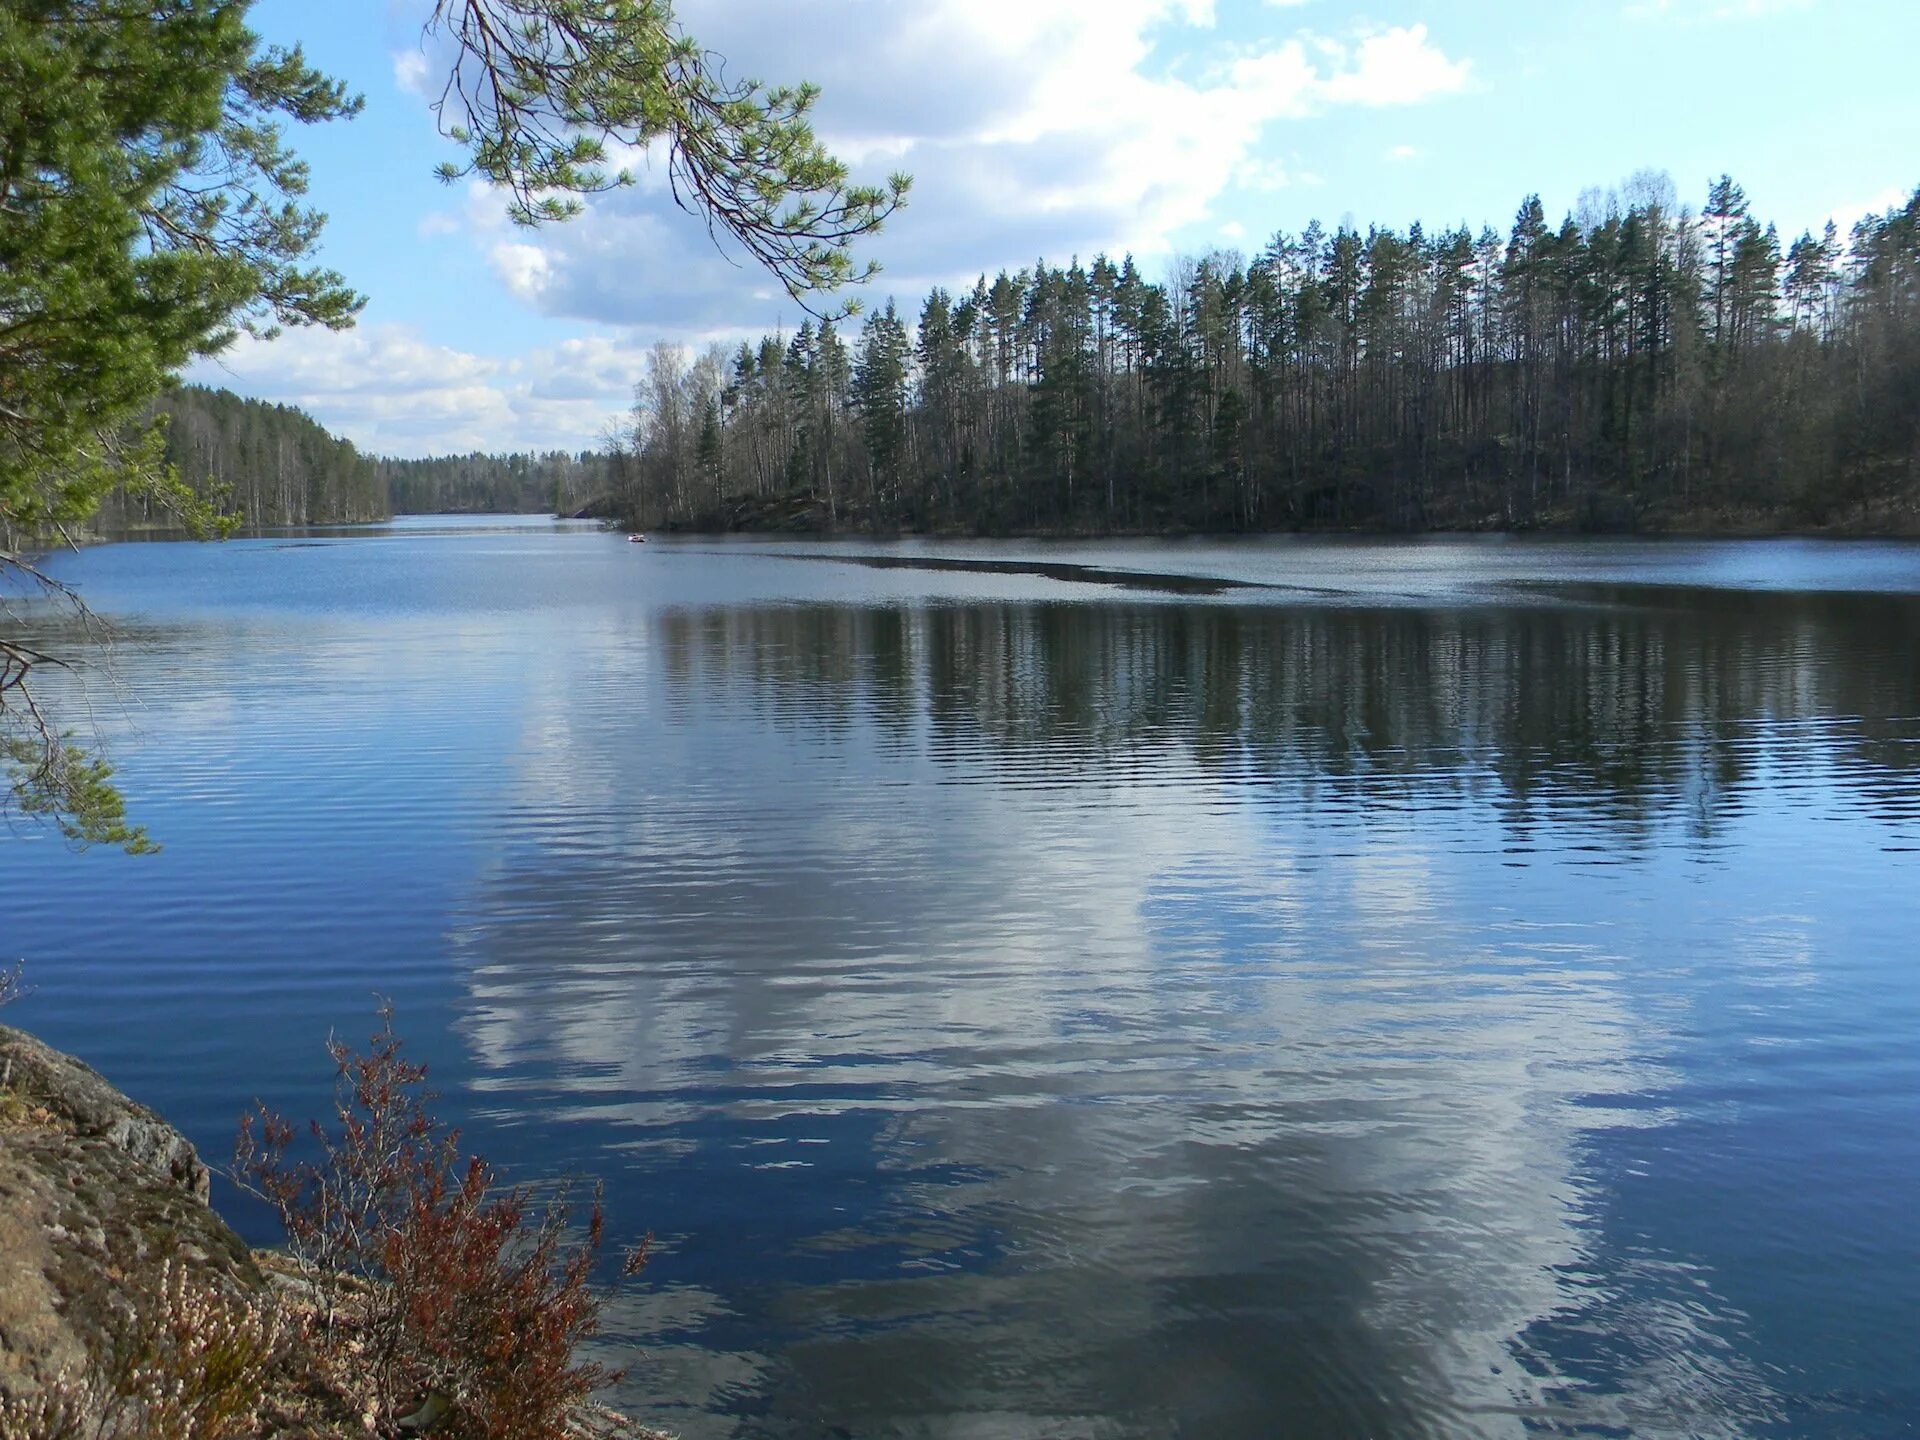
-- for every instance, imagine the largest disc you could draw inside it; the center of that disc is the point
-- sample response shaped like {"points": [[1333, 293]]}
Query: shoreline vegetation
{"points": [[413, 1294], [1643, 367], [1895, 517], [312, 466]]}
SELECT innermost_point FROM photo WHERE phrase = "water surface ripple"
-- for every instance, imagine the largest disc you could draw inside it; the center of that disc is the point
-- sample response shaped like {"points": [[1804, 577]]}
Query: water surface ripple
{"points": [[1212, 989]]}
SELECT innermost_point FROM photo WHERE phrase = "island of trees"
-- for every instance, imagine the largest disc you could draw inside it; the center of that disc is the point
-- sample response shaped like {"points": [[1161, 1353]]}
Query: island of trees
{"points": [[1638, 365]]}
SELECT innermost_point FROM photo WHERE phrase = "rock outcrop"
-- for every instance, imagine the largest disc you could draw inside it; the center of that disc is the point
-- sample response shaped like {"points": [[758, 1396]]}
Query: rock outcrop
{"points": [[98, 1196], [96, 1192]]}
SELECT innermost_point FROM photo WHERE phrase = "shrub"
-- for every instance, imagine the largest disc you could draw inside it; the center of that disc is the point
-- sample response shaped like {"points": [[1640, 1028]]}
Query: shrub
{"points": [[431, 1279], [187, 1362]]}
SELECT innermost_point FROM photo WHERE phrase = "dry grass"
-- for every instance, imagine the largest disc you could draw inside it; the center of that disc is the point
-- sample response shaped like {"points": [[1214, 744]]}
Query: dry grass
{"points": [[188, 1362], [16, 1112]]}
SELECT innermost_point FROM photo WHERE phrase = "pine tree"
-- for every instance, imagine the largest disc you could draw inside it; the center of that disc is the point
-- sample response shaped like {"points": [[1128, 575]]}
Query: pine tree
{"points": [[879, 393]]}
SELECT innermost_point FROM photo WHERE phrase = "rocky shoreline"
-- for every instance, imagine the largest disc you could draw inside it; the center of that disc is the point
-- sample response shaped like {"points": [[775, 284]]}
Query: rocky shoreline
{"points": [[104, 1215], [97, 1193]]}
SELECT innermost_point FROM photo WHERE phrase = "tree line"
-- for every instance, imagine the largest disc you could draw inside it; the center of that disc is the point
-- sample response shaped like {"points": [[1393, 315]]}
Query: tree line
{"points": [[555, 482], [1641, 363], [273, 464], [268, 464]]}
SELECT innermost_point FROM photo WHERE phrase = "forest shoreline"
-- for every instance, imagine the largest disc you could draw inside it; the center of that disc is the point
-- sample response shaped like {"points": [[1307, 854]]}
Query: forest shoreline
{"points": [[1885, 517], [1888, 520], [1900, 527]]}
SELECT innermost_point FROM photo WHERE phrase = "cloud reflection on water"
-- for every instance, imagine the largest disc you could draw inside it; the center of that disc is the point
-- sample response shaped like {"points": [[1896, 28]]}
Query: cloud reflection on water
{"points": [[1077, 1020], [1029, 1007]]}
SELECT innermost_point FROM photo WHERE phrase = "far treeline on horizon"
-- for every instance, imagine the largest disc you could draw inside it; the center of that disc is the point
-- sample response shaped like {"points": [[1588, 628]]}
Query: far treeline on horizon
{"points": [[1638, 366]]}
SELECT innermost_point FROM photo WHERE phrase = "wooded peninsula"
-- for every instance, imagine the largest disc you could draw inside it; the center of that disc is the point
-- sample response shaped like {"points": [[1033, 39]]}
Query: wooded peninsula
{"points": [[1640, 366]]}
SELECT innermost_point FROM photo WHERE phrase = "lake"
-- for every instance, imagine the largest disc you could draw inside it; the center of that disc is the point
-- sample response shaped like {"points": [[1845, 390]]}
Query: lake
{"points": [[1281, 987]]}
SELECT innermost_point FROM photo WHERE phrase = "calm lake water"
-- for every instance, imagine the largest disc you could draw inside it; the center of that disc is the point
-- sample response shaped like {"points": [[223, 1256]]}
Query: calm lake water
{"points": [[1294, 987]]}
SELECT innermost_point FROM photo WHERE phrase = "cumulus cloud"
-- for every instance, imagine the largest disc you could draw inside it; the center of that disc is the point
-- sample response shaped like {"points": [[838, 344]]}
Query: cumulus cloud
{"points": [[1401, 66], [393, 393], [1032, 127], [522, 268], [410, 72]]}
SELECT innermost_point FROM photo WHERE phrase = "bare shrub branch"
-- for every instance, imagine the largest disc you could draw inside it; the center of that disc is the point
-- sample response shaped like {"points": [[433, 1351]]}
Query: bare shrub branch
{"points": [[43, 772], [434, 1282]]}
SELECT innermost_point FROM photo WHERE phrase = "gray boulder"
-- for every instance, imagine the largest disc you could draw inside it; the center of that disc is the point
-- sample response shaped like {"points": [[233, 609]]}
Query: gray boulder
{"points": [[96, 1192]]}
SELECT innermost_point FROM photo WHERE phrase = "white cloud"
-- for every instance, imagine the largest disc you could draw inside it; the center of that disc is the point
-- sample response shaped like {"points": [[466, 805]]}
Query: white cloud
{"points": [[524, 269], [1262, 175], [393, 393], [1400, 153], [1893, 197], [479, 214], [1845, 214], [1395, 67], [410, 72], [1034, 128]]}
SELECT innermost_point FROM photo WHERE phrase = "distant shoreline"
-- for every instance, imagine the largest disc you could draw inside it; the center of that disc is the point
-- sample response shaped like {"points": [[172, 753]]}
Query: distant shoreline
{"points": [[1885, 524], [1902, 527], [1890, 514]]}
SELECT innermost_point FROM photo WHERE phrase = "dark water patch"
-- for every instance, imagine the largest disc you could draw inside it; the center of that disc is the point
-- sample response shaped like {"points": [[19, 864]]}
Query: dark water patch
{"points": [[1066, 572]]}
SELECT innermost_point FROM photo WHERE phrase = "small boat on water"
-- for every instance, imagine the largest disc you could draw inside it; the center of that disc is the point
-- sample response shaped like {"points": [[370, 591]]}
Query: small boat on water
{"points": [[636, 539]]}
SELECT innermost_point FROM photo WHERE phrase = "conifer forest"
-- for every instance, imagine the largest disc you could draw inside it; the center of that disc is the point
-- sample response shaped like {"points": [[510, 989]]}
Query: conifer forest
{"points": [[1639, 364]]}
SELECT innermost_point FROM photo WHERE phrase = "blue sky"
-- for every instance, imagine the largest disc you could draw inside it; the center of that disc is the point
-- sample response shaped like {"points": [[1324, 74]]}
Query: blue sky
{"points": [[1055, 128]]}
